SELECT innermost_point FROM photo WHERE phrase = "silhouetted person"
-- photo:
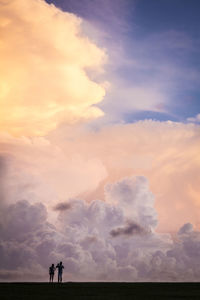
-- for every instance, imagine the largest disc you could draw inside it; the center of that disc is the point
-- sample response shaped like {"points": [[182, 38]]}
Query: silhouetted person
{"points": [[51, 272], [60, 271]]}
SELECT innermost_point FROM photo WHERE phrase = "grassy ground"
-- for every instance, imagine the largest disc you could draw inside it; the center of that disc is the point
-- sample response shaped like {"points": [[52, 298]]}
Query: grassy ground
{"points": [[107, 291]]}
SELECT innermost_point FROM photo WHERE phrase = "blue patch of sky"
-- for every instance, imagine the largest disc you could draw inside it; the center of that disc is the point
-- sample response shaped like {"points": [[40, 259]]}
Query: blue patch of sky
{"points": [[142, 115], [160, 15], [160, 39]]}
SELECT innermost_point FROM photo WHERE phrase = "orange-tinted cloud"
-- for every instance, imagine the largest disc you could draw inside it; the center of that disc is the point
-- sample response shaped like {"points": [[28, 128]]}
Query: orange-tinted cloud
{"points": [[44, 55], [38, 170], [73, 162], [167, 153]]}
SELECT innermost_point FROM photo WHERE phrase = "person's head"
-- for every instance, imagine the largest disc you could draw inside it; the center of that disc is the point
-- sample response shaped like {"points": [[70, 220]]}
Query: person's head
{"points": [[61, 263], [52, 265]]}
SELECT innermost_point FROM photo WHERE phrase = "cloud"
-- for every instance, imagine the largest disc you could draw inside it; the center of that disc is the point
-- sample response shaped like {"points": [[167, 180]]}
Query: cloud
{"points": [[186, 228], [83, 242], [39, 79], [133, 193], [24, 228], [78, 162], [62, 206], [167, 153], [77, 166], [146, 78], [81, 239], [195, 119], [3, 164], [131, 99], [64, 196], [129, 229], [37, 170]]}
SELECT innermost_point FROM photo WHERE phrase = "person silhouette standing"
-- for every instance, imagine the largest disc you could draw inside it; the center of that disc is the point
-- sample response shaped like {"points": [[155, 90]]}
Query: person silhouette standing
{"points": [[51, 273], [60, 271]]}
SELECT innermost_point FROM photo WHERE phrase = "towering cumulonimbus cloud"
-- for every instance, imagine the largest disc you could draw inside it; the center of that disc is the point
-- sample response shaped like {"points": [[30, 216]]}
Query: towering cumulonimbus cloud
{"points": [[103, 201], [39, 79]]}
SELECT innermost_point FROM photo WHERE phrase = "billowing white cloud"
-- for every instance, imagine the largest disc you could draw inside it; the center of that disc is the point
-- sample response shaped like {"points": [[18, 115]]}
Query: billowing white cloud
{"points": [[134, 194], [83, 240]]}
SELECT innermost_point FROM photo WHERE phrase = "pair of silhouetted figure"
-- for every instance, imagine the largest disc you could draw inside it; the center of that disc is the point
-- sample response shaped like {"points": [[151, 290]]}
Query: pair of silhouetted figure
{"points": [[52, 271]]}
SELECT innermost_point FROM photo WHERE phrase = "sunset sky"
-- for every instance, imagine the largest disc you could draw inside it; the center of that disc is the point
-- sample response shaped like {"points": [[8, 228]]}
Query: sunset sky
{"points": [[100, 139]]}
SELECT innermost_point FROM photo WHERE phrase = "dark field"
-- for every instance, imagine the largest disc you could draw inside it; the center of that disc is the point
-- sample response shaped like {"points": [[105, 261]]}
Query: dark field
{"points": [[115, 291]]}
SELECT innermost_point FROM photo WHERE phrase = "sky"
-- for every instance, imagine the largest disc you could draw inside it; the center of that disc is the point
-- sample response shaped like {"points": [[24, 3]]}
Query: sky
{"points": [[99, 139]]}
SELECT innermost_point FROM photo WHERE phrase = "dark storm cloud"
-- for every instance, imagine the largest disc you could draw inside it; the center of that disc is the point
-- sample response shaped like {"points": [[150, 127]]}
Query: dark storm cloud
{"points": [[131, 228], [186, 228], [62, 206]]}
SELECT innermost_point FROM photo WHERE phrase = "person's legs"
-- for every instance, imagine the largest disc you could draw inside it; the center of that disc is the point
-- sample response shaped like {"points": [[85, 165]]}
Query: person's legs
{"points": [[59, 277]]}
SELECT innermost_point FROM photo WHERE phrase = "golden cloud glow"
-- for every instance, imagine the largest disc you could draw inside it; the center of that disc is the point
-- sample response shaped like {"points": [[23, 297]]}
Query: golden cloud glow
{"points": [[43, 60]]}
